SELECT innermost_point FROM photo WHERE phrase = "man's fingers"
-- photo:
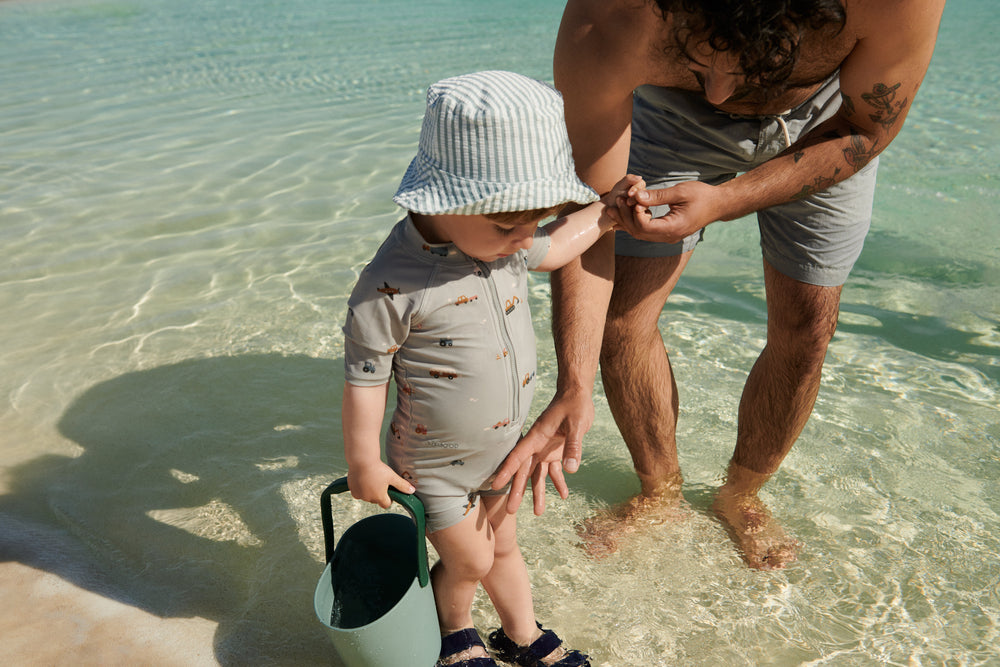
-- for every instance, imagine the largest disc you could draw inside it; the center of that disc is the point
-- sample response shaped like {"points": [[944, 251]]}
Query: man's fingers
{"points": [[558, 480], [650, 198], [573, 447], [518, 456], [538, 488], [517, 486]]}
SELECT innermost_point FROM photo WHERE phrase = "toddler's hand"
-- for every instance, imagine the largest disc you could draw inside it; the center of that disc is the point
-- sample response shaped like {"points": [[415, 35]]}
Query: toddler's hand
{"points": [[371, 483], [622, 204], [631, 214]]}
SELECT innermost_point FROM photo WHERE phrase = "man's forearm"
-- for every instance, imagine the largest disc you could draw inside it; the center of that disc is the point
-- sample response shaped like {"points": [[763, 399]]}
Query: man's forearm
{"points": [[832, 152], [581, 291]]}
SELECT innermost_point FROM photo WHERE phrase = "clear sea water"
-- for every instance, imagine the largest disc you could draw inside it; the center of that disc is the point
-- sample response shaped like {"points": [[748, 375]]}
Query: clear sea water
{"points": [[187, 193]]}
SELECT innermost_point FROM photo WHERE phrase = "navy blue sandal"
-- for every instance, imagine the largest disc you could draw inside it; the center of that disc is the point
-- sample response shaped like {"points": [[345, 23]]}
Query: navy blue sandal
{"points": [[460, 641], [533, 654]]}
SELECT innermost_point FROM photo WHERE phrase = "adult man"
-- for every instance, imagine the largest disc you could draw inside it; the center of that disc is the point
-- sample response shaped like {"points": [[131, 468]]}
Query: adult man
{"points": [[798, 97]]}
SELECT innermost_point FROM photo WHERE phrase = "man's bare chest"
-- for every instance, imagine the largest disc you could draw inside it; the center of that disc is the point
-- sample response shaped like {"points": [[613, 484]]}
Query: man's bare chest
{"points": [[820, 57]]}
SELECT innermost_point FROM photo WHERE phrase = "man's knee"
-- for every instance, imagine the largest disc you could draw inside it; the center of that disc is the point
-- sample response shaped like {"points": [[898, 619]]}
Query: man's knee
{"points": [[620, 325], [801, 317], [642, 286], [804, 337], [625, 332]]}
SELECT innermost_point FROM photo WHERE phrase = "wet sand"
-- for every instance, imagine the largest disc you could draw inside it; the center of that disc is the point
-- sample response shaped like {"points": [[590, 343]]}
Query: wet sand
{"points": [[57, 623]]}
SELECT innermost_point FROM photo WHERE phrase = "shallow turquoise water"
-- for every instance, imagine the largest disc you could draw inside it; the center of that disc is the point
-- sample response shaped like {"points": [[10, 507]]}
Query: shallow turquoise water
{"points": [[187, 192]]}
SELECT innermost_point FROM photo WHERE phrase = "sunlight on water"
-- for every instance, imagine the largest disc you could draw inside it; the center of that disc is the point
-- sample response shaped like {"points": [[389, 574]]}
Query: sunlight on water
{"points": [[188, 192]]}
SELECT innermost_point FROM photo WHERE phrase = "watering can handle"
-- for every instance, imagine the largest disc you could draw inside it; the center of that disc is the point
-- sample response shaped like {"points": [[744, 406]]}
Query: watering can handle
{"points": [[409, 501]]}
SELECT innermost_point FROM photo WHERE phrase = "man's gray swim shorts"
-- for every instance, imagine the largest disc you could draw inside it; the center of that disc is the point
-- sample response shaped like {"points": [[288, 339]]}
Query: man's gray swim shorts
{"points": [[677, 136]]}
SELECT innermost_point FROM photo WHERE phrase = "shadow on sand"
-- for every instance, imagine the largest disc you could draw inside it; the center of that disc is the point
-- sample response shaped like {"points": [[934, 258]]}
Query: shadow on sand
{"points": [[162, 447]]}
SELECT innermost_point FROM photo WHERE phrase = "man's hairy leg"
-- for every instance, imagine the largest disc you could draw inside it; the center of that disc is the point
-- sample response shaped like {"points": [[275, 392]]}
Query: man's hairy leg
{"points": [[635, 366], [777, 400], [639, 384]]}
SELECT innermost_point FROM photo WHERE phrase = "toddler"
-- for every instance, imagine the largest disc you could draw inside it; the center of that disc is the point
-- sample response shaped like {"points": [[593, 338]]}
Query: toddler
{"points": [[443, 310]]}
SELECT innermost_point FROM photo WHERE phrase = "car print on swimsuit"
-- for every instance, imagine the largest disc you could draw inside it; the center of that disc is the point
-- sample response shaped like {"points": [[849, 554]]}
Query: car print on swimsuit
{"points": [[387, 290], [435, 250]]}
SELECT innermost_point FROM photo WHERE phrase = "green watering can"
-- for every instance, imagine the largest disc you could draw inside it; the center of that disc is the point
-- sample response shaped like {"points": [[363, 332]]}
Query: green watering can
{"points": [[375, 597]]}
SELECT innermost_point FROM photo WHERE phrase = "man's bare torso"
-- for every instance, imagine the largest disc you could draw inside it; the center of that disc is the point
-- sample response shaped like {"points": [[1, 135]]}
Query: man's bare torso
{"points": [[820, 56]]}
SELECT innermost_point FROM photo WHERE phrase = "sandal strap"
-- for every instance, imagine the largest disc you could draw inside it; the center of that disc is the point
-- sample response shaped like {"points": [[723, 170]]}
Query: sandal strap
{"points": [[573, 658], [463, 640], [543, 646], [533, 654], [460, 641]]}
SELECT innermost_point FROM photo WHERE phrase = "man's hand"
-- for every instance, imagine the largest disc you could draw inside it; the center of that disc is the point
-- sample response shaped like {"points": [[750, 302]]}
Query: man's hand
{"points": [[693, 205], [554, 443], [624, 192]]}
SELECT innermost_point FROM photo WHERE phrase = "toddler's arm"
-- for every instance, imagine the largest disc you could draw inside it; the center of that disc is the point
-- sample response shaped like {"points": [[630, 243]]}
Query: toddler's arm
{"points": [[367, 476], [574, 233]]}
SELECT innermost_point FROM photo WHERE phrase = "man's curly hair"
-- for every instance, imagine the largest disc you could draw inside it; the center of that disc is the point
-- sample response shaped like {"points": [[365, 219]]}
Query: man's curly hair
{"points": [[764, 34]]}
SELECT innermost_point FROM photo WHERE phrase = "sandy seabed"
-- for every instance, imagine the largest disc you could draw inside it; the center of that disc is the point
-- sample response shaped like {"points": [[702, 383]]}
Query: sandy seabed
{"points": [[45, 620]]}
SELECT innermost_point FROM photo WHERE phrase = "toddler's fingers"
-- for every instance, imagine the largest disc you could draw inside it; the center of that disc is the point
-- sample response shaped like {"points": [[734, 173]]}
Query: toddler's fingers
{"points": [[636, 187], [614, 215], [402, 485], [625, 209]]}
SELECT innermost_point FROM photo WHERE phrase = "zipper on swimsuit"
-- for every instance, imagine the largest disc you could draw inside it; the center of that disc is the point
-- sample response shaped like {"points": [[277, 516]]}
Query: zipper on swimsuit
{"points": [[498, 311]]}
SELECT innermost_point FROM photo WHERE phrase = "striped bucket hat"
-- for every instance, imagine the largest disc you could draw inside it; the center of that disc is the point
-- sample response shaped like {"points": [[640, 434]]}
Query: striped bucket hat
{"points": [[491, 142]]}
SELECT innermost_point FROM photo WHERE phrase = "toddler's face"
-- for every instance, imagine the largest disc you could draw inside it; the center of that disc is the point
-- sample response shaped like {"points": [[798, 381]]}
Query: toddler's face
{"points": [[482, 238]]}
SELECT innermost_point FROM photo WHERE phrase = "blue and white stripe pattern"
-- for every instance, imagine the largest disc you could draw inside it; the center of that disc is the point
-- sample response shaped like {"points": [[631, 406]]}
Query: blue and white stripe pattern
{"points": [[491, 142]]}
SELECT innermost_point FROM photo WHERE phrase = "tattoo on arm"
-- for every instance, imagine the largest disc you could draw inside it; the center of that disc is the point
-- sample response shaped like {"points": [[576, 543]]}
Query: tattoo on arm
{"points": [[857, 154], [819, 184], [883, 100], [887, 111], [848, 104]]}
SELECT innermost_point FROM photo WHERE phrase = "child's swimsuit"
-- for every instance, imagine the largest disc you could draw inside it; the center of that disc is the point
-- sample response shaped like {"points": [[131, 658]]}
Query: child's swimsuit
{"points": [[456, 335]]}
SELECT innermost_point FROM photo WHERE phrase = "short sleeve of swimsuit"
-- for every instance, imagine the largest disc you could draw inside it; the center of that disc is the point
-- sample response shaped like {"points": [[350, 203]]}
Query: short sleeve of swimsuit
{"points": [[378, 321], [540, 244]]}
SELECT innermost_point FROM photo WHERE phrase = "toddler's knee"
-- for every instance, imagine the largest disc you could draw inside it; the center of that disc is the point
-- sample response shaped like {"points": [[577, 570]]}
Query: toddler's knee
{"points": [[473, 565], [506, 549]]}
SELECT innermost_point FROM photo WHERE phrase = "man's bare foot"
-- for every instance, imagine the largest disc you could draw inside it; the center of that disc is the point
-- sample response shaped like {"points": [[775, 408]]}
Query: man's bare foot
{"points": [[602, 533], [764, 544]]}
